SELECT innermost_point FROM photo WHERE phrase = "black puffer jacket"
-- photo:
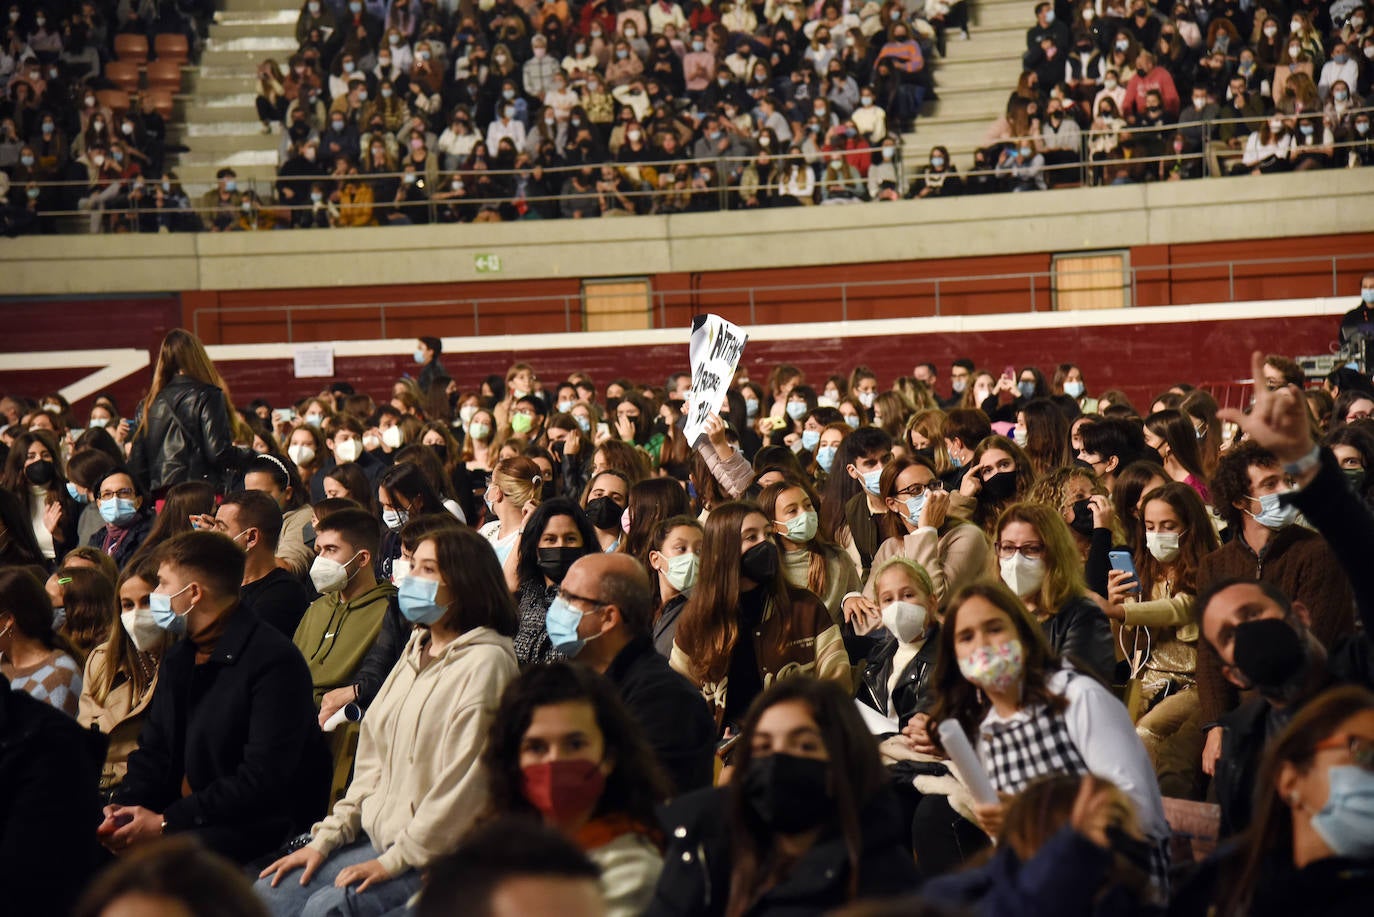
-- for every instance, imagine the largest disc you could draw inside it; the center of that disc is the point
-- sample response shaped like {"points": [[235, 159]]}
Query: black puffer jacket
{"points": [[187, 437]]}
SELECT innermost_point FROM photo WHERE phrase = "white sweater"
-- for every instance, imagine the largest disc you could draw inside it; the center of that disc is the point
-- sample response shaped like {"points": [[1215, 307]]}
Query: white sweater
{"points": [[417, 782]]}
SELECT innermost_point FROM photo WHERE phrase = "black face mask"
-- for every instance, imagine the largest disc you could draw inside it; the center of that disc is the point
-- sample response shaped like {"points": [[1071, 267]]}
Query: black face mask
{"points": [[40, 473], [1272, 654], [760, 563], [554, 562], [1082, 518], [788, 794], [604, 513], [441, 450], [999, 487], [548, 490], [927, 452], [611, 403]]}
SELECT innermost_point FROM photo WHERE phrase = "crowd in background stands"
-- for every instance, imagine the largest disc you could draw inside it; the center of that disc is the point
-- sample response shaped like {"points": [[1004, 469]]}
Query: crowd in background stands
{"points": [[394, 112], [355, 618], [53, 127], [1188, 89]]}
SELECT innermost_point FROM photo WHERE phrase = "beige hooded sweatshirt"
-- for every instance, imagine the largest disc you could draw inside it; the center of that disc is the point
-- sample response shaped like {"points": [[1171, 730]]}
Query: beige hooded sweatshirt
{"points": [[417, 783]]}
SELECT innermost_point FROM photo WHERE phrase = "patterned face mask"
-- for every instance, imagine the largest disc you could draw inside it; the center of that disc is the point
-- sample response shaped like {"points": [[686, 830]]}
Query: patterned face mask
{"points": [[996, 669]]}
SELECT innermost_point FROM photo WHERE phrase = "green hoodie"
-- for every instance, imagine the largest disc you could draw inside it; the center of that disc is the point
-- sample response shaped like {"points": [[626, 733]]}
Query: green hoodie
{"points": [[334, 635]]}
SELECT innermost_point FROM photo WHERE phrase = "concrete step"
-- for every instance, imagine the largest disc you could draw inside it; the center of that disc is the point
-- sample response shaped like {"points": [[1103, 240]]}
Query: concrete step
{"points": [[250, 40], [229, 62], [256, 6], [959, 70], [266, 17], [1003, 15], [211, 86]]}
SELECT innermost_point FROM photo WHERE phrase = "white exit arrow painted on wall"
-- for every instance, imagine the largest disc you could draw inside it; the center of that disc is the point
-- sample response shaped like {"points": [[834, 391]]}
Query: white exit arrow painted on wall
{"points": [[110, 366]]}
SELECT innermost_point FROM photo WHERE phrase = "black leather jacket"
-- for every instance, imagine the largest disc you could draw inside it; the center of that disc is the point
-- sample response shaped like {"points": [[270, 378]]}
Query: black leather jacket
{"points": [[911, 693], [187, 437]]}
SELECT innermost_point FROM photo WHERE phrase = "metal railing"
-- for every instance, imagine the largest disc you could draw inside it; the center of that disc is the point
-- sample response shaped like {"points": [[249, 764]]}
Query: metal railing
{"points": [[743, 304], [723, 192]]}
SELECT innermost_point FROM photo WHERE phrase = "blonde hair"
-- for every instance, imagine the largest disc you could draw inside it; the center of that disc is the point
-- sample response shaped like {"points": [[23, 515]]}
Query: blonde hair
{"points": [[917, 573], [1063, 566], [520, 480]]}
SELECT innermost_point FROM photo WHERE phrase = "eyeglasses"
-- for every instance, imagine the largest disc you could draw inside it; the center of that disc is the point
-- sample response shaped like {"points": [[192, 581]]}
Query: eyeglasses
{"points": [[126, 493], [1361, 749], [567, 596], [915, 490], [1032, 550]]}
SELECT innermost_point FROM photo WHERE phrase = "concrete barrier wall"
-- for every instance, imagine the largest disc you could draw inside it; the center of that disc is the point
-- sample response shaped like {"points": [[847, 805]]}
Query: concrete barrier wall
{"points": [[1258, 207]]}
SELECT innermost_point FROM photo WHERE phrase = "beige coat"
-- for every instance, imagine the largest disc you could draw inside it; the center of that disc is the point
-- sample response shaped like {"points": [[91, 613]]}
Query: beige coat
{"points": [[953, 560], [417, 783], [119, 716]]}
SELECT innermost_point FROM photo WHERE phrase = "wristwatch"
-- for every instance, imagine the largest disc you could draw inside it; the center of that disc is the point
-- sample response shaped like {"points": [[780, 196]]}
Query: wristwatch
{"points": [[1305, 464]]}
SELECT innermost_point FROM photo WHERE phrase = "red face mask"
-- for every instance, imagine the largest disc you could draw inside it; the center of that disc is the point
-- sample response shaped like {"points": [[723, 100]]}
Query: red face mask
{"points": [[564, 789]]}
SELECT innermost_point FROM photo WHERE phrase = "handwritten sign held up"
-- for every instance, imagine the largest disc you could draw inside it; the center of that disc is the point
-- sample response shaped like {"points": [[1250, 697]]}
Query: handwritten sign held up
{"points": [[715, 351]]}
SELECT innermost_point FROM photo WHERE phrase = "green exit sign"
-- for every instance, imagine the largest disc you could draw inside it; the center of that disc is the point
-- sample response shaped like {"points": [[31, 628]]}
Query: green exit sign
{"points": [[487, 264]]}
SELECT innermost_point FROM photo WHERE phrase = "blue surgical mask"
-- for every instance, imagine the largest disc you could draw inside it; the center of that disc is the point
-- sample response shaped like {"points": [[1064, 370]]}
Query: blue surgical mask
{"points": [[914, 505], [796, 409], [1027, 389], [1368, 296], [565, 406], [1273, 514], [751, 407], [584, 423], [870, 480], [116, 511], [810, 439], [801, 528], [76, 494], [825, 457], [561, 622], [314, 419], [395, 518], [1346, 822], [1074, 389], [163, 616], [852, 420], [420, 357], [416, 597]]}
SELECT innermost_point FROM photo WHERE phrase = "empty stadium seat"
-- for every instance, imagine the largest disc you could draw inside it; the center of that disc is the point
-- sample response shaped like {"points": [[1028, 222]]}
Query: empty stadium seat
{"points": [[123, 74], [162, 101], [132, 48], [172, 46], [116, 100], [164, 74]]}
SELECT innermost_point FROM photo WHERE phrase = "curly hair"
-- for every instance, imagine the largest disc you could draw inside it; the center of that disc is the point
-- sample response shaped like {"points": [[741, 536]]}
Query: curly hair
{"points": [[1231, 482], [634, 786]]}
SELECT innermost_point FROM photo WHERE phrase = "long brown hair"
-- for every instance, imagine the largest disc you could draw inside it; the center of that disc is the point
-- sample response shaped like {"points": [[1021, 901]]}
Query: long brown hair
{"points": [[821, 548], [182, 352], [1271, 830], [650, 502], [1198, 538], [1176, 429], [958, 698], [88, 598], [985, 513], [709, 625], [121, 656], [857, 776], [1047, 435]]}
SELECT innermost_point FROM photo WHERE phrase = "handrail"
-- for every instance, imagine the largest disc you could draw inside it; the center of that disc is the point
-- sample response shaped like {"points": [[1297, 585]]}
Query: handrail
{"points": [[750, 297]]}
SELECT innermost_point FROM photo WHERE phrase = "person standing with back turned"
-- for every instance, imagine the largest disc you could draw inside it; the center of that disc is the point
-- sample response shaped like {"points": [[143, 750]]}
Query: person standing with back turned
{"points": [[185, 425]]}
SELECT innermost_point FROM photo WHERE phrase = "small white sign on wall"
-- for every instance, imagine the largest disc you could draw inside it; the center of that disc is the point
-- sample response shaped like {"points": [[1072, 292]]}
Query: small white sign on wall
{"points": [[314, 361]]}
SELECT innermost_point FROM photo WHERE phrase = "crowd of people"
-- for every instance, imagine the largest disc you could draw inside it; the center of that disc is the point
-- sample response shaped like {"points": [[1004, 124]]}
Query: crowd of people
{"points": [[1184, 90], [400, 112], [337, 654], [61, 148]]}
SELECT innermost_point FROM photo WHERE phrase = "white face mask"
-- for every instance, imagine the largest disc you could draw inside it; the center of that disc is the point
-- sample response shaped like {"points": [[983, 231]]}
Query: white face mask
{"points": [[301, 454], [1023, 575], [867, 398], [142, 629], [348, 450], [683, 571], [905, 620], [1162, 545], [330, 575], [391, 437], [467, 412], [400, 569]]}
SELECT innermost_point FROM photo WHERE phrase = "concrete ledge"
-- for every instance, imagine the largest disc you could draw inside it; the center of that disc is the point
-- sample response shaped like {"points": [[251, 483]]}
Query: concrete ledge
{"points": [[1256, 207]]}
